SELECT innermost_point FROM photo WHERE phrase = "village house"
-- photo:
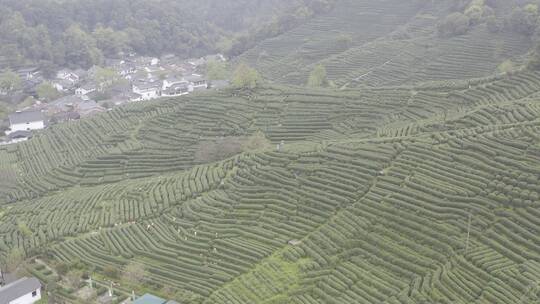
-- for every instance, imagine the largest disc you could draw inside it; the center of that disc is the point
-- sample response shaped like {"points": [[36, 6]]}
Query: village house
{"points": [[63, 104], [147, 90], [196, 62], [216, 57], [85, 89], [175, 87], [28, 73], [127, 69], [64, 117], [168, 59], [178, 89], [69, 75], [88, 107], [133, 97], [79, 106], [63, 85], [18, 136], [169, 82], [196, 82], [26, 121], [22, 291]]}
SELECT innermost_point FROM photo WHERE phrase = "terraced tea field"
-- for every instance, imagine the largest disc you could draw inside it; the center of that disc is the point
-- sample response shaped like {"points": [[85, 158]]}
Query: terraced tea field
{"points": [[397, 45], [418, 194]]}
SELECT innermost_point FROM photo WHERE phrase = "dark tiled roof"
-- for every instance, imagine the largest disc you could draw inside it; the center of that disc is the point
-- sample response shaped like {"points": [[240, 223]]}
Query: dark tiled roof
{"points": [[195, 78], [18, 289], [147, 85], [24, 117], [20, 134]]}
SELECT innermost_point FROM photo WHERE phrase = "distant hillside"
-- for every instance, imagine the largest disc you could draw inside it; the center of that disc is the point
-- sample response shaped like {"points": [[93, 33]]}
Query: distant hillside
{"points": [[77, 33], [391, 42]]}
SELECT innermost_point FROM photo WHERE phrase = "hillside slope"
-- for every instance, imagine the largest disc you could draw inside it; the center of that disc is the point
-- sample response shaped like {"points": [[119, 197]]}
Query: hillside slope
{"points": [[390, 42], [369, 201]]}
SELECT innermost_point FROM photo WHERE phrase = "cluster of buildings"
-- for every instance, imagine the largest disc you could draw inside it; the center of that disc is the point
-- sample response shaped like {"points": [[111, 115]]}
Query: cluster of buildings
{"points": [[130, 79]]}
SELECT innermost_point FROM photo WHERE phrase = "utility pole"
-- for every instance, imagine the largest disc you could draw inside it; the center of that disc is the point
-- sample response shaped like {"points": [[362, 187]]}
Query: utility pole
{"points": [[468, 233]]}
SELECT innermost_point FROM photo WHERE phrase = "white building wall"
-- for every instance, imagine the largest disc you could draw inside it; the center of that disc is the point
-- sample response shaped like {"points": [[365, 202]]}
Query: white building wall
{"points": [[147, 94], [36, 125], [27, 298]]}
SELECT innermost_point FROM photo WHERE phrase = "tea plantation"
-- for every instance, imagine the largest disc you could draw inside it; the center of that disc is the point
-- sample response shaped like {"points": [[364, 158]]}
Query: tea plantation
{"points": [[390, 42], [408, 194]]}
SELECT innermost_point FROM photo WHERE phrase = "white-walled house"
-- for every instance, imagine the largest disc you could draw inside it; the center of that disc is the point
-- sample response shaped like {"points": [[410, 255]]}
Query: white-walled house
{"points": [[196, 82], [62, 85], [68, 75], [85, 89], [22, 291], [179, 89], [147, 90], [26, 121], [169, 82]]}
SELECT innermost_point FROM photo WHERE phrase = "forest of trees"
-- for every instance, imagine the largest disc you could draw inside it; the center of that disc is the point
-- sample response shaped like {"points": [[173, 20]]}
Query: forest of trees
{"points": [[80, 33]]}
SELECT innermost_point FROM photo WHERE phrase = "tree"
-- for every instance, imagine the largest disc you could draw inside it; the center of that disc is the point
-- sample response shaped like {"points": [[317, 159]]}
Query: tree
{"points": [[477, 11], [134, 273], [81, 48], [111, 272], [110, 42], [62, 268], [13, 260], [524, 20], [26, 232], [47, 68], [246, 77], [105, 77], [453, 25], [534, 61], [47, 92], [216, 70], [507, 67], [344, 41], [257, 141], [73, 278], [10, 81], [317, 77]]}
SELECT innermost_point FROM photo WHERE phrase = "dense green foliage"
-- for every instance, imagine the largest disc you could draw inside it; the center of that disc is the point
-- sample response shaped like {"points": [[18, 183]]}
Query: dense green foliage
{"points": [[317, 78], [246, 77], [81, 33]]}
